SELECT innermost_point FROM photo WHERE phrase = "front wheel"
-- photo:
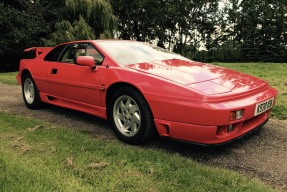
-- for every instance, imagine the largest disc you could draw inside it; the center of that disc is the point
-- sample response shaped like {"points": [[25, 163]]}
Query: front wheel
{"points": [[31, 93], [131, 116]]}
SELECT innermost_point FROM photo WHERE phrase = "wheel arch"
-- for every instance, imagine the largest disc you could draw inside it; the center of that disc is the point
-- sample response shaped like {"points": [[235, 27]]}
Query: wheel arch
{"points": [[24, 72], [116, 86]]}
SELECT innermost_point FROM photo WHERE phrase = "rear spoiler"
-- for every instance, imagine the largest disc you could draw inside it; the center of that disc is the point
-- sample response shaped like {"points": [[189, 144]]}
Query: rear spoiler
{"points": [[38, 50]]}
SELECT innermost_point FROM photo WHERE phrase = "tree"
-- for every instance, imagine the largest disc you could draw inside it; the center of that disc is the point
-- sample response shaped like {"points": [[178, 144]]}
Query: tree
{"points": [[19, 29], [259, 27], [171, 23], [196, 25], [24, 23], [65, 31], [98, 14]]}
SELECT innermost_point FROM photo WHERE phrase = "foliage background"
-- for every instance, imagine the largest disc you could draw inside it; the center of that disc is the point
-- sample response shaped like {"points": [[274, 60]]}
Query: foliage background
{"points": [[203, 30]]}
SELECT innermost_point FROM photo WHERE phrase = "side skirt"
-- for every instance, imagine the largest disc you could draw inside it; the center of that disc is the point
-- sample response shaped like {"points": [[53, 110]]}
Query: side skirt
{"points": [[75, 105]]}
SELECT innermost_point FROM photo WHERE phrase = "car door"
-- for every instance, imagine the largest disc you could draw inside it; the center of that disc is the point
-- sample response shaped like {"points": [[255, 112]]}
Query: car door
{"points": [[76, 83], [41, 73]]}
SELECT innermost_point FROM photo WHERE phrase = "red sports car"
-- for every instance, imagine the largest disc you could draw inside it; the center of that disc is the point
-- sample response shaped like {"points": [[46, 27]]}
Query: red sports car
{"points": [[145, 90]]}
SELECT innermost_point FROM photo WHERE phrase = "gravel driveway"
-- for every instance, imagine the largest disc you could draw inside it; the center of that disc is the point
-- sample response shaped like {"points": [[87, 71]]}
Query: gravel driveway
{"points": [[262, 155]]}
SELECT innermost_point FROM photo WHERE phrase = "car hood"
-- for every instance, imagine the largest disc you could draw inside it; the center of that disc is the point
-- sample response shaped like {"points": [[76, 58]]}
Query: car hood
{"points": [[204, 78]]}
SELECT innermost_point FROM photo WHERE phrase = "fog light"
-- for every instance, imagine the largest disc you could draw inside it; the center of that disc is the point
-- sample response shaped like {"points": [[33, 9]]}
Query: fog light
{"points": [[235, 115]]}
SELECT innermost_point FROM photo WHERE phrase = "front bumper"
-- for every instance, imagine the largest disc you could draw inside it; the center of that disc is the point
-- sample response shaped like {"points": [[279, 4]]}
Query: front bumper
{"points": [[208, 121], [209, 135]]}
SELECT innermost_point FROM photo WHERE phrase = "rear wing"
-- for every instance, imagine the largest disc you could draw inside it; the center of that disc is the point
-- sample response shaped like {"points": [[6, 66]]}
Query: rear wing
{"points": [[33, 52]]}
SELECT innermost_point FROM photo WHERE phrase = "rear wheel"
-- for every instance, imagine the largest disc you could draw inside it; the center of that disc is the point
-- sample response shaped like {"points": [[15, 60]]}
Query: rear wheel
{"points": [[30, 93], [131, 117]]}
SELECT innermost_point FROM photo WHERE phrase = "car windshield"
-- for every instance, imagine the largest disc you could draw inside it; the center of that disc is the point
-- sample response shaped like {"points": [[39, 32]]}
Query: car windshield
{"points": [[125, 52]]}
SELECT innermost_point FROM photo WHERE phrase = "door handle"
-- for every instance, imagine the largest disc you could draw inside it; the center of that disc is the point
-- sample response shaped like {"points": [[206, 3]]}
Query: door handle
{"points": [[54, 71]]}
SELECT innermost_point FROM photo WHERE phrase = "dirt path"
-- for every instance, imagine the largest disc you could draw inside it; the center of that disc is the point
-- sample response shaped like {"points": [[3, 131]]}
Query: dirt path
{"points": [[262, 155]]}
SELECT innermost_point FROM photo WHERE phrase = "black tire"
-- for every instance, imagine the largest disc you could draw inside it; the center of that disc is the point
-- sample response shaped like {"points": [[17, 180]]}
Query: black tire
{"points": [[131, 116], [30, 93]]}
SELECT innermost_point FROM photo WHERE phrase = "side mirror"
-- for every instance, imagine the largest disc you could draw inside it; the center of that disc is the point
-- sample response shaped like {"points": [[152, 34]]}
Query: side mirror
{"points": [[86, 61]]}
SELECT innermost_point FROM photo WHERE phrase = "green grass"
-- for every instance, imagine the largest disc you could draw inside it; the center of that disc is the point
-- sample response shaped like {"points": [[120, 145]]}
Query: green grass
{"points": [[8, 78], [36, 156], [275, 74]]}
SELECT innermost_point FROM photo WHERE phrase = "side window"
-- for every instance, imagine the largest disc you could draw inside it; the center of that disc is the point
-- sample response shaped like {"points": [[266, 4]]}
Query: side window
{"points": [[55, 53], [80, 49], [72, 51], [91, 51]]}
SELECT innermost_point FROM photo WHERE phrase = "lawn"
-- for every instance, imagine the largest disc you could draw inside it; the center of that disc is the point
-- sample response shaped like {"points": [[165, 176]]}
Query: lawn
{"points": [[8, 78], [37, 156]]}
